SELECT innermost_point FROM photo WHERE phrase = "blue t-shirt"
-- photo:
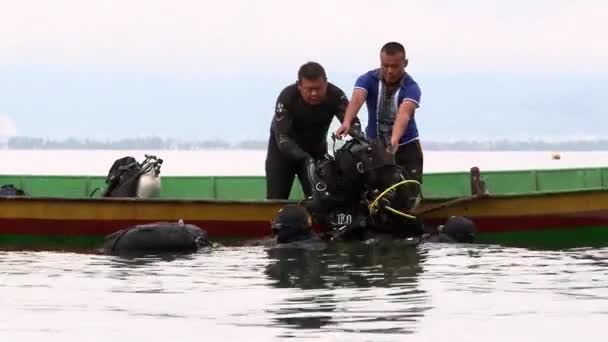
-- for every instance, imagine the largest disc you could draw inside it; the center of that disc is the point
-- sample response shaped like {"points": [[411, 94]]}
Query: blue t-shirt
{"points": [[382, 111]]}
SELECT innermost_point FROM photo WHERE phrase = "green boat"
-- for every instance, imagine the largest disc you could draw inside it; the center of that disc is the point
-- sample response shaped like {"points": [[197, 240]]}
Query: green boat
{"points": [[531, 208]]}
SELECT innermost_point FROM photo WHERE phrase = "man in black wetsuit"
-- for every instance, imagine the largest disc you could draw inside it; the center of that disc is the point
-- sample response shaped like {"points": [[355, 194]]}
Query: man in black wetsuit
{"points": [[298, 134]]}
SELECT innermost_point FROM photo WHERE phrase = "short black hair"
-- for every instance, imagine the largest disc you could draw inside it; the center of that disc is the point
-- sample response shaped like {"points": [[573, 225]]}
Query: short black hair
{"points": [[393, 48], [311, 71]]}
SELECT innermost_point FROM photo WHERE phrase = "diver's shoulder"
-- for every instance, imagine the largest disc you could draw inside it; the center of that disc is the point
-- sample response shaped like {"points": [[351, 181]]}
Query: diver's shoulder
{"points": [[288, 93]]}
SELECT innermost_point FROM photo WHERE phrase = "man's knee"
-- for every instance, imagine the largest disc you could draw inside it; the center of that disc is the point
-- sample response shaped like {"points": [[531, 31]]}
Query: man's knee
{"points": [[409, 157], [279, 179], [306, 185], [414, 171], [277, 188]]}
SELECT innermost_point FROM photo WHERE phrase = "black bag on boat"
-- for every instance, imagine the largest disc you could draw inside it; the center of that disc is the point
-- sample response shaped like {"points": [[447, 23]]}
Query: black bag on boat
{"points": [[122, 178], [11, 190]]}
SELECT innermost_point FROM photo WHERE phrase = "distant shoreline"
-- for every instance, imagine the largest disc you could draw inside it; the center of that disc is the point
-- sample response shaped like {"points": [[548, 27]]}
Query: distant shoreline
{"points": [[232, 162], [160, 144]]}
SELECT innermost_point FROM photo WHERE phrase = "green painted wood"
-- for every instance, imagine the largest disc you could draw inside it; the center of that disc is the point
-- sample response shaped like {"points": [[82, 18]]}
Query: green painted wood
{"points": [[560, 180], [95, 186], [604, 175], [188, 187], [67, 186], [592, 236], [442, 185], [510, 182], [436, 185], [240, 187]]}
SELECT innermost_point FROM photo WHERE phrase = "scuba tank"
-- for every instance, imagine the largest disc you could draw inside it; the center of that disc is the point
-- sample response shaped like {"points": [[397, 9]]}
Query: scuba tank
{"points": [[128, 178], [149, 184]]}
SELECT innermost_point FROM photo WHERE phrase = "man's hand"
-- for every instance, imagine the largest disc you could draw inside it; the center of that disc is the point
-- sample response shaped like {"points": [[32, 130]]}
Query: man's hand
{"points": [[394, 146], [343, 130], [308, 160]]}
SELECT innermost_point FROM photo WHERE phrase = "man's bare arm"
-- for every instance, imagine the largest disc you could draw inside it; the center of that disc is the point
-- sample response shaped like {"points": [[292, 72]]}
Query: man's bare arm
{"points": [[405, 113], [356, 101]]}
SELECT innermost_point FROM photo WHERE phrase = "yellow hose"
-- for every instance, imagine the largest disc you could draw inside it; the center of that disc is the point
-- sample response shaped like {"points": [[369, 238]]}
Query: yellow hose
{"points": [[373, 206]]}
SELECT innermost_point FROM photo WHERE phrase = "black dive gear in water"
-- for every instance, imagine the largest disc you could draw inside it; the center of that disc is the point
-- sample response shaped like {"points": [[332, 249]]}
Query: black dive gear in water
{"points": [[360, 189], [156, 238]]}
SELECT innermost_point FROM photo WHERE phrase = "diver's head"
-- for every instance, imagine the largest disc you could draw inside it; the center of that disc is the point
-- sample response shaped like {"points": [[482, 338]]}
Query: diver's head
{"points": [[459, 229], [292, 223]]}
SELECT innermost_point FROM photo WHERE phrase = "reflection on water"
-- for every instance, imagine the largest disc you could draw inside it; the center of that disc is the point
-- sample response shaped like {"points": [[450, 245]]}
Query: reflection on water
{"points": [[365, 287], [348, 292]]}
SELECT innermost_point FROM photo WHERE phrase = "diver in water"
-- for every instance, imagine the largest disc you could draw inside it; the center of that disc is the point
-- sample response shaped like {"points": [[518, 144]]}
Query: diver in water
{"points": [[292, 227], [457, 229], [360, 190], [362, 193]]}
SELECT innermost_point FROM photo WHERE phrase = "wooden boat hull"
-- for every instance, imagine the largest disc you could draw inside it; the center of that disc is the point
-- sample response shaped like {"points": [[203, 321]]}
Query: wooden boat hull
{"points": [[502, 213], [499, 218], [527, 207], [99, 217], [557, 219]]}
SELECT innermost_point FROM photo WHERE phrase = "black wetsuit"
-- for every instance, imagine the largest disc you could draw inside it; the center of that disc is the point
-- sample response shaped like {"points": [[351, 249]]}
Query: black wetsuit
{"points": [[298, 132]]}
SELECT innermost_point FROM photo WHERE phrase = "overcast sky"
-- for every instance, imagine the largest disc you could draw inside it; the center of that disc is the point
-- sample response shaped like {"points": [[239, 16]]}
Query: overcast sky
{"points": [[158, 42]]}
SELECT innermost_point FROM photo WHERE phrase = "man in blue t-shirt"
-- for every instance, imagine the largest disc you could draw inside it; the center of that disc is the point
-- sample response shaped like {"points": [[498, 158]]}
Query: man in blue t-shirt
{"points": [[392, 97]]}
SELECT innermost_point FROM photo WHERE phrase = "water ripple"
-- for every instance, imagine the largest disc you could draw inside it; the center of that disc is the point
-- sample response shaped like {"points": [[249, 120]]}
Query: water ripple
{"points": [[347, 292]]}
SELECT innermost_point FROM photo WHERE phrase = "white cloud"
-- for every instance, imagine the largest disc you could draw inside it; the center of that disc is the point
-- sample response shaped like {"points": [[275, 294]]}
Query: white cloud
{"points": [[7, 127], [233, 37]]}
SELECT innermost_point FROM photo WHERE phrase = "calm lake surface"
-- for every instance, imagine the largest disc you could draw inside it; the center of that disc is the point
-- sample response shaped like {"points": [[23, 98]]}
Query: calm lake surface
{"points": [[349, 292], [354, 292]]}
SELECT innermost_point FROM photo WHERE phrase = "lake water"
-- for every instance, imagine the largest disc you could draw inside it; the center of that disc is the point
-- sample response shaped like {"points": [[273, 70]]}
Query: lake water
{"points": [[354, 292], [251, 162]]}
